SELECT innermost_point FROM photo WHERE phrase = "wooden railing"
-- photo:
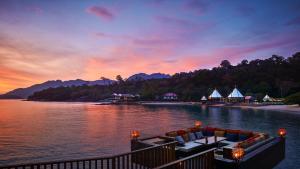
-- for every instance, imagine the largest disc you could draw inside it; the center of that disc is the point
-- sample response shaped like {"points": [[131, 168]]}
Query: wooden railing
{"points": [[140, 159], [203, 160]]}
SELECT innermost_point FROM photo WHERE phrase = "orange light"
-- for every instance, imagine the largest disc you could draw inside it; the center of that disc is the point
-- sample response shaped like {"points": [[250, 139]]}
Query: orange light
{"points": [[238, 153], [281, 132], [198, 124], [135, 134]]}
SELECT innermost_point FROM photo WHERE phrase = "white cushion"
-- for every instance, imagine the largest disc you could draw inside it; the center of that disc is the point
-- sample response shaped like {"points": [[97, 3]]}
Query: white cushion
{"points": [[188, 146]]}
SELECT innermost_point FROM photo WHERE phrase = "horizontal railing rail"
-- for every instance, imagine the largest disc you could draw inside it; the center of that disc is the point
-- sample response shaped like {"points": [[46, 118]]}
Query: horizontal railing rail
{"points": [[138, 159], [202, 160]]}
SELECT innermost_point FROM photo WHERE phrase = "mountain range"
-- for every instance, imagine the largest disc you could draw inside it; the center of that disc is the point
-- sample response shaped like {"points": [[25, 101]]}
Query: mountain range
{"points": [[23, 93]]}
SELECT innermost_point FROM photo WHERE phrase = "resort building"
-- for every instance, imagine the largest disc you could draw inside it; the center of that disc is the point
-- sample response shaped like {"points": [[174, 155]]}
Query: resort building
{"points": [[235, 96], [125, 97], [203, 99], [249, 99], [215, 95], [267, 98], [170, 96]]}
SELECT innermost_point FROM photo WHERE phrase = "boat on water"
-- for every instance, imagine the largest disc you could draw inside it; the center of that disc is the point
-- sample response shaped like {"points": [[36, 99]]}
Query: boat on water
{"points": [[192, 148]]}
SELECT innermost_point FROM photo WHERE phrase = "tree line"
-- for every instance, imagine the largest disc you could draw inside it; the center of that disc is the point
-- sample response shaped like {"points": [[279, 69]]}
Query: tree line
{"points": [[276, 76]]}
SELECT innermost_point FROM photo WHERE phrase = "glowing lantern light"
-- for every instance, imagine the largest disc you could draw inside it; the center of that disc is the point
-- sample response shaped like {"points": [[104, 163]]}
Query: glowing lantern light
{"points": [[135, 134], [198, 124], [238, 153], [281, 132]]}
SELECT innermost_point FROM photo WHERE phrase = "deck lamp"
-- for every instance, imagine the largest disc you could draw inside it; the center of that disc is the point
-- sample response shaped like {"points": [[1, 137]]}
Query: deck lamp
{"points": [[135, 134], [281, 132], [238, 154], [198, 124]]}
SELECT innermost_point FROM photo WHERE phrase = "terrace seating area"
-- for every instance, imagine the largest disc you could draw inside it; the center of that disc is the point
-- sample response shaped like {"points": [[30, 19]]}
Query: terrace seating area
{"points": [[193, 140]]}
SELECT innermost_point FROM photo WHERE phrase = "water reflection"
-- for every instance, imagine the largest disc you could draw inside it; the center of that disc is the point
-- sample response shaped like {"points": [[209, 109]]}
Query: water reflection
{"points": [[39, 131]]}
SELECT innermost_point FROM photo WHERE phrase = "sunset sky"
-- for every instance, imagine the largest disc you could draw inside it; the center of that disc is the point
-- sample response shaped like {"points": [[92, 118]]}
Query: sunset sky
{"points": [[49, 40]]}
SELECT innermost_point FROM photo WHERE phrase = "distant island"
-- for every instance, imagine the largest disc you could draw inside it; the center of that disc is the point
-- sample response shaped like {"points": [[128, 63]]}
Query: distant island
{"points": [[23, 93], [276, 76]]}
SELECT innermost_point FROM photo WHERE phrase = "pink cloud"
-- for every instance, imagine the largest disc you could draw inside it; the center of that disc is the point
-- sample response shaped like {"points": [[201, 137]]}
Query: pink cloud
{"points": [[101, 12]]}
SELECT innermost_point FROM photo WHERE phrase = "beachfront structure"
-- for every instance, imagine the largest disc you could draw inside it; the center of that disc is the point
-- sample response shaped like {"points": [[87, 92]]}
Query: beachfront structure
{"points": [[170, 96], [203, 99], [267, 98], [249, 99], [191, 148], [235, 95], [119, 97], [215, 95], [213, 148]]}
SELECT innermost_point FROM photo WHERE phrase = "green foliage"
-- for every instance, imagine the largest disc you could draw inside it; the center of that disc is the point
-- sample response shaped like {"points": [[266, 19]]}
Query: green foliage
{"points": [[276, 76], [293, 99]]}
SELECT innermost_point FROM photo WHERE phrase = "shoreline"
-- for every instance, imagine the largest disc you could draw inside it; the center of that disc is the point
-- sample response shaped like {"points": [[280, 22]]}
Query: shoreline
{"points": [[280, 108]]}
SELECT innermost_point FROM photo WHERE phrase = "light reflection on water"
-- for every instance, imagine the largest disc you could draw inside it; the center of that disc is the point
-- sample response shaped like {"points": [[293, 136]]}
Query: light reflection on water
{"points": [[41, 131]]}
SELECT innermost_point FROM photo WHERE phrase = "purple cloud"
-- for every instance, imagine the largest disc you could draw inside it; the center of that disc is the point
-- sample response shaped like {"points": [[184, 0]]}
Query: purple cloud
{"points": [[35, 9], [197, 6], [101, 12], [245, 10], [295, 21]]}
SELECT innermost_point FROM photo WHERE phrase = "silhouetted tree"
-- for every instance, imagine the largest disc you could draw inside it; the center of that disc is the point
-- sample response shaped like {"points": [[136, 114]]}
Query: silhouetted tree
{"points": [[225, 64]]}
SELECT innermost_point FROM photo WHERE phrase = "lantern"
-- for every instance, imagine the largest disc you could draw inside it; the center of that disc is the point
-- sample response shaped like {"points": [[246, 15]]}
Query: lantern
{"points": [[135, 134], [198, 124], [281, 132], [238, 153]]}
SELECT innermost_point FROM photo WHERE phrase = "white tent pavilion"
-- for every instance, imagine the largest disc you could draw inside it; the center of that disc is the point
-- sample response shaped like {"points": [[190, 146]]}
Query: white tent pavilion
{"points": [[215, 95], [267, 98], [235, 94], [203, 98]]}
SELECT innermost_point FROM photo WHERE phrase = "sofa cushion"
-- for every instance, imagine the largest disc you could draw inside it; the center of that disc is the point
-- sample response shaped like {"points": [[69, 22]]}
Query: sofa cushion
{"points": [[180, 140], [171, 134], [243, 136], [189, 146], [232, 137], [192, 136], [219, 133], [193, 129], [199, 135], [208, 131], [181, 132], [186, 137]]}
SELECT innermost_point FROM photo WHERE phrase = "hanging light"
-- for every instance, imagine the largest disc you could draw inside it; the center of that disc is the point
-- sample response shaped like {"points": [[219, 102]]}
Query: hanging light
{"points": [[238, 153], [281, 132], [198, 124], [135, 134]]}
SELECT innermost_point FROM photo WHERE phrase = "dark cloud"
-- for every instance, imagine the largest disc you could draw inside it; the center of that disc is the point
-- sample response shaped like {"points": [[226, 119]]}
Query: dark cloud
{"points": [[244, 10], [295, 21], [197, 6], [101, 12]]}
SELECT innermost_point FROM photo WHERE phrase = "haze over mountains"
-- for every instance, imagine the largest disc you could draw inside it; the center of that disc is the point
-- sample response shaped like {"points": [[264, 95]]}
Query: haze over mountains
{"points": [[23, 93]]}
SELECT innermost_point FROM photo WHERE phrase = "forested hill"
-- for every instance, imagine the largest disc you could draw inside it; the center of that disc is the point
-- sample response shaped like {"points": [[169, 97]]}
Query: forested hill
{"points": [[276, 76]]}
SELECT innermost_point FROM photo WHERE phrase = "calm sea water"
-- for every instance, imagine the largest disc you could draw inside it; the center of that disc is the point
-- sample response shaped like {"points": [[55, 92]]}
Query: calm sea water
{"points": [[41, 131]]}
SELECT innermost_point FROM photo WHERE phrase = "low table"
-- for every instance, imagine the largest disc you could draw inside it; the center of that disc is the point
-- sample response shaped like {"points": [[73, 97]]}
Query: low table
{"points": [[210, 140]]}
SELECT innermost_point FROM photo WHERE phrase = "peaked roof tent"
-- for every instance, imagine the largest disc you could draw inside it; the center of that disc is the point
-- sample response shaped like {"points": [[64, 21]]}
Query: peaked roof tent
{"points": [[203, 98], [235, 94], [267, 98], [215, 94]]}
